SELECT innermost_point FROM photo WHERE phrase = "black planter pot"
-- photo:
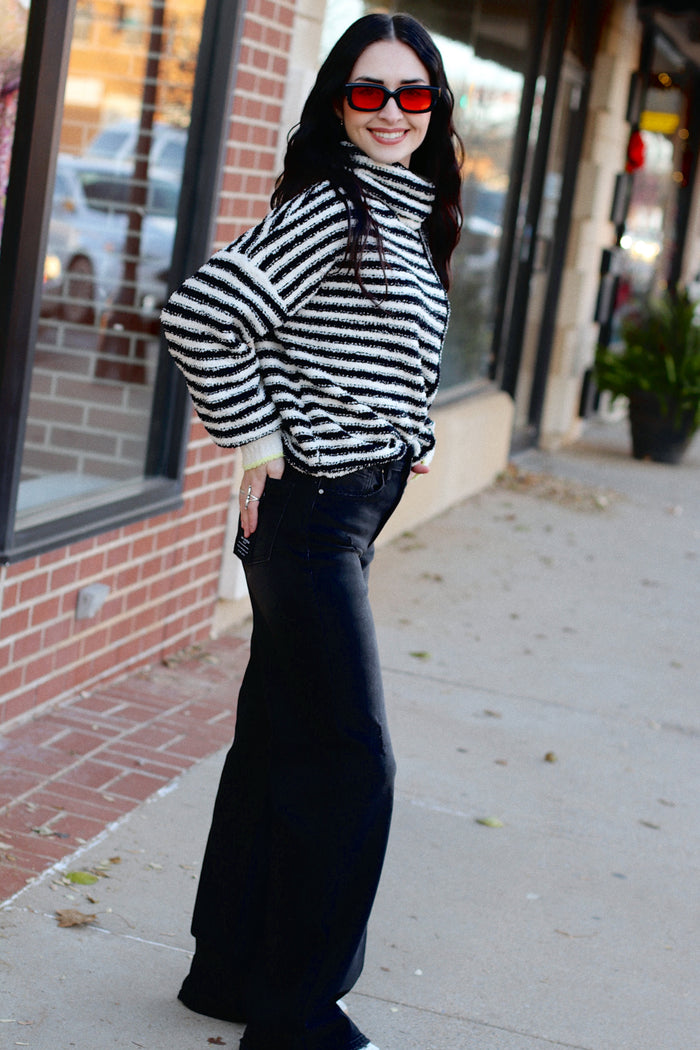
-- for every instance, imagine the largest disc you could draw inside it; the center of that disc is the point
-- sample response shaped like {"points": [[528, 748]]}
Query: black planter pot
{"points": [[657, 435]]}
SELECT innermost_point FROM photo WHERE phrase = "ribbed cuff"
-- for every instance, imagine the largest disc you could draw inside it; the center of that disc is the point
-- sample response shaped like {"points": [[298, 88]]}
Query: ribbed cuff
{"points": [[262, 450], [427, 459]]}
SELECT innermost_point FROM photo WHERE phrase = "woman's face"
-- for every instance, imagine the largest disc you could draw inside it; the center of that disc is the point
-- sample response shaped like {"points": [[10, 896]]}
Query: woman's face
{"points": [[388, 135]]}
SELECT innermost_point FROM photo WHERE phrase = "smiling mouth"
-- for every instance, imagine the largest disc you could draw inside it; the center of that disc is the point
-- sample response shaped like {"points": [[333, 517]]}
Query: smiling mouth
{"points": [[388, 136]]}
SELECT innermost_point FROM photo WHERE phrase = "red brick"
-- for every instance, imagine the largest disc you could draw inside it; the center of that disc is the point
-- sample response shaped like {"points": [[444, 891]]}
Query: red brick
{"points": [[26, 738], [267, 9], [14, 623], [167, 536], [77, 798], [137, 786], [58, 632], [45, 611], [33, 586], [41, 667], [98, 666], [10, 594], [38, 852], [77, 743], [152, 736], [138, 596], [15, 706], [154, 566], [14, 878], [200, 744], [68, 654], [91, 774], [128, 576], [25, 646], [95, 706], [52, 688], [92, 565], [15, 782], [22, 568], [77, 550], [146, 761], [78, 827], [94, 641], [40, 764], [51, 557], [118, 556], [21, 819], [158, 589], [142, 547], [64, 575], [113, 607], [140, 709]]}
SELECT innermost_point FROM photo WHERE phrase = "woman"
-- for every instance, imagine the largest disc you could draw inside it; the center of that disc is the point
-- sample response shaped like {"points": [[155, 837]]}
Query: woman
{"points": [[313, 344]]}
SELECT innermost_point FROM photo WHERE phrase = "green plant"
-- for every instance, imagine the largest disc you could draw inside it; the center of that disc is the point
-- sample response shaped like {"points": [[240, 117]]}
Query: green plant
{"points": [[660, 356]]}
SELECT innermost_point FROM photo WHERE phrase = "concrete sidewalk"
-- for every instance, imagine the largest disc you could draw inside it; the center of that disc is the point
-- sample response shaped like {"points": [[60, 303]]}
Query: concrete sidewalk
{"points": [[542, 669]]}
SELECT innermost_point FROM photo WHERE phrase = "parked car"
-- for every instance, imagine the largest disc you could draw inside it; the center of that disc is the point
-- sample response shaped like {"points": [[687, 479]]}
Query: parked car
{"points": [[87, 238], [117, 142]]}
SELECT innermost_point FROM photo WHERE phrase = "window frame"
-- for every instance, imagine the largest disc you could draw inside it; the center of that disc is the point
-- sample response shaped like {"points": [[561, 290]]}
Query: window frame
{"points": [[23, 246]]}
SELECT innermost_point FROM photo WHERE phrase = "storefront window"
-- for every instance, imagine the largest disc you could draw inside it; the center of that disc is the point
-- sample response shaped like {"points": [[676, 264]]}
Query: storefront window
{"points": [[488, 96], [13, 34], [110, 240], [659, 160], [485, 50]]}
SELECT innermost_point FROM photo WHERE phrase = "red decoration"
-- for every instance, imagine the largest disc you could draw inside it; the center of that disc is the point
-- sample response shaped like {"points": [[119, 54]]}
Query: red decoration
{"points": [[636, 152]]}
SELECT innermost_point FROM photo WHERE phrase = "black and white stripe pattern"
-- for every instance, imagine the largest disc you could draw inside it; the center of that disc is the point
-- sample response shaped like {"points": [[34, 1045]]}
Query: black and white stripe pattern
{"points": [[274, 332]]}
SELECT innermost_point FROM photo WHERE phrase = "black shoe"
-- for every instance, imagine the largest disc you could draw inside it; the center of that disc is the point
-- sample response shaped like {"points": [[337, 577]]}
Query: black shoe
{"points": [[209, 1006]]}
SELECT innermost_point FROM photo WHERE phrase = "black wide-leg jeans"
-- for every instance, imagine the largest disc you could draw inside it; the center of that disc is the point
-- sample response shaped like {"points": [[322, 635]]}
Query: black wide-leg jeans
{"points": [[303, 810]]}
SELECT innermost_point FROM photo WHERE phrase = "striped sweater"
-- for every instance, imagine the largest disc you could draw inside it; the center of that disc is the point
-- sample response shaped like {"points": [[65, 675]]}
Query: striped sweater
{"points": [[285, 354]]}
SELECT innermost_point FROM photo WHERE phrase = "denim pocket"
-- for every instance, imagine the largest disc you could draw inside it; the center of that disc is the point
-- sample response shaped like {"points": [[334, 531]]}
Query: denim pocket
{"points": [[258, 547], [358, 484]]}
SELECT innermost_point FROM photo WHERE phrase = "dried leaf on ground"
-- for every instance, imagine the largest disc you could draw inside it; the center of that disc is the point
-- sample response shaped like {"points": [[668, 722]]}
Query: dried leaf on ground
{"points": [[568, 493], [73, 917], [490, 822]]}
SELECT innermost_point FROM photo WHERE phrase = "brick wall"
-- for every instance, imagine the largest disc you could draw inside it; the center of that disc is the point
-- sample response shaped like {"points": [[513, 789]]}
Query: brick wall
{"points": [[256, 119], [162, 572]]}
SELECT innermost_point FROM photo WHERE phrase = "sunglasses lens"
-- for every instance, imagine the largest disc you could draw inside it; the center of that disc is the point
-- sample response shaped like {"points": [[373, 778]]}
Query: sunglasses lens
{"points": [[366, 96], [416, 99]]}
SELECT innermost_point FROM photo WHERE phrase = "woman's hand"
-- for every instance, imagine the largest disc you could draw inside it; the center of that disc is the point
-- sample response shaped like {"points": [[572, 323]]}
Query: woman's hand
{"points": [[252, 488], [420, 468]]}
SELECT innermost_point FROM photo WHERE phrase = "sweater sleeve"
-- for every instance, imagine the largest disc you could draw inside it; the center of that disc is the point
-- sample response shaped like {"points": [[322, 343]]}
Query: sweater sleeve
{"points": [[213, 321]]}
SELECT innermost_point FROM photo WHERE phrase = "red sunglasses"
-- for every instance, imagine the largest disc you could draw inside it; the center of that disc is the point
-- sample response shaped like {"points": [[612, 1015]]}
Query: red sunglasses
{"points": [[413, 98]]}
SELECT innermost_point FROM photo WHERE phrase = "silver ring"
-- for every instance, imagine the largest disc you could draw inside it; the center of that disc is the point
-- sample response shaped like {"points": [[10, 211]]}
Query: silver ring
{"points": [[249, 497]]}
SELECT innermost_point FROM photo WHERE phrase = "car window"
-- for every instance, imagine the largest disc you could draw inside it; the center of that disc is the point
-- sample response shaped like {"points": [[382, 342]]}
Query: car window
{"points": [[61, 189], [109, 142], [105, 192], [163, 198], [172, 155]]}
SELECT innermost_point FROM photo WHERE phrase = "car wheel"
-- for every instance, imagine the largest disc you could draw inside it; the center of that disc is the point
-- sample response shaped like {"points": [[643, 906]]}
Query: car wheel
{"points": [[79, 292]]}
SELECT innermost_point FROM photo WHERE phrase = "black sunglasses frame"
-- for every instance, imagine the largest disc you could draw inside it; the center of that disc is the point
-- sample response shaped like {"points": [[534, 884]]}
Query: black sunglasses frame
{"points": [[435, 93]]}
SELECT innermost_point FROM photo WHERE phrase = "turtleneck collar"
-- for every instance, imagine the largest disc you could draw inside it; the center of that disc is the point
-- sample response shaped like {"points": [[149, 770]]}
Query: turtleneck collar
{"points": [[409, 196]]}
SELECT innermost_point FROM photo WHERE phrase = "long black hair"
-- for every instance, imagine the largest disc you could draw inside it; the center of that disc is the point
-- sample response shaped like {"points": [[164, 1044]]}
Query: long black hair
{"points": [[315, 151]]}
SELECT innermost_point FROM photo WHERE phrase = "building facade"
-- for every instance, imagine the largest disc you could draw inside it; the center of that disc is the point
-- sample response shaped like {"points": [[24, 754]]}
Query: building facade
{"points": [[137, 137]]}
